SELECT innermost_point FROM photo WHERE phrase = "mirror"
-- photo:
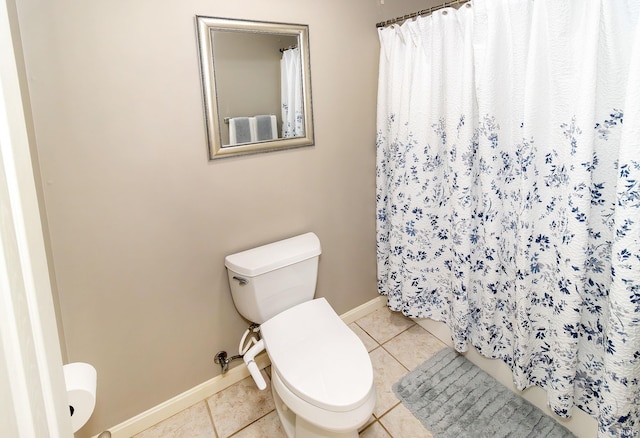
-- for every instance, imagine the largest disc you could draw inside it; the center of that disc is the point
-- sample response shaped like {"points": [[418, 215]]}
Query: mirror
{"points": [[256, 85]]}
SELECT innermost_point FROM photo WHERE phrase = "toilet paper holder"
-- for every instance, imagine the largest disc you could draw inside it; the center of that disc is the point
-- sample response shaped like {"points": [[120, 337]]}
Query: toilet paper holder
{"points": [[80, 381]]}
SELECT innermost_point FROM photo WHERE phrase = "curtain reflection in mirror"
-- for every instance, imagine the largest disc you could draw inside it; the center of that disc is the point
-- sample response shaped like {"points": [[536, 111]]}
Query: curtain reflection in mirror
{"points": [[292, 98]]}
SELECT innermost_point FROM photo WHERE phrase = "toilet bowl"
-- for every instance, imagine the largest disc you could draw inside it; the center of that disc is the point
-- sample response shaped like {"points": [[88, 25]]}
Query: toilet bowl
{"points": [[321, 371], [322, 378]]}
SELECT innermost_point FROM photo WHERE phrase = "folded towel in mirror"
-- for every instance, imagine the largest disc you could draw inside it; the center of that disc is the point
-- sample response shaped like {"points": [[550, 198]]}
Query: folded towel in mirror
{"points": [[240, 130], [266, 127]]}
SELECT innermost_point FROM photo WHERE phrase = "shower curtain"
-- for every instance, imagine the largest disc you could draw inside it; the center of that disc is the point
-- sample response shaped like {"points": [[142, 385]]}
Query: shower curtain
{"points": [[508, 198], [291, 94]]}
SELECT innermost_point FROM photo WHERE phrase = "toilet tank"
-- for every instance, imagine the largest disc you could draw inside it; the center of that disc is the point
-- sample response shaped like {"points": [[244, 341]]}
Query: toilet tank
{"points": [[272, 278]]}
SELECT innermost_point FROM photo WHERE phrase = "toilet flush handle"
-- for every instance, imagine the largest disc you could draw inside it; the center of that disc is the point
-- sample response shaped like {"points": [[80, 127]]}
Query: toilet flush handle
{"points": [[241, 280]]}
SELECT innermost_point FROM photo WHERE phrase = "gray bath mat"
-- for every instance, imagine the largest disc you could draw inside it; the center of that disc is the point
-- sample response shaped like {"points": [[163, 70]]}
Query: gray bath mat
{"points": [[454, 398]]}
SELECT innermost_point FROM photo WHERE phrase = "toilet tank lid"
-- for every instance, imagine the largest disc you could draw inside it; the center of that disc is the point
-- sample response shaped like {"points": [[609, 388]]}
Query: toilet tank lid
{"points": [[275, 255]]}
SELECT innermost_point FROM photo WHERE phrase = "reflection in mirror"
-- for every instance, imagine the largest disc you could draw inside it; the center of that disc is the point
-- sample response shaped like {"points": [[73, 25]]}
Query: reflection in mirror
{"points": [[256, 85]]}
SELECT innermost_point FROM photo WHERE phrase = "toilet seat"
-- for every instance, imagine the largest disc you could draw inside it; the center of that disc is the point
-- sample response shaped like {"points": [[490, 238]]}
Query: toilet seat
{"points": [[318, 357]]}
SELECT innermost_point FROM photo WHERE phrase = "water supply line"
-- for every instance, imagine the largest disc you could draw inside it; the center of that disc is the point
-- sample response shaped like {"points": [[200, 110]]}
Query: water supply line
{"points": [[250, 346], [249, 357], [253, 329]]}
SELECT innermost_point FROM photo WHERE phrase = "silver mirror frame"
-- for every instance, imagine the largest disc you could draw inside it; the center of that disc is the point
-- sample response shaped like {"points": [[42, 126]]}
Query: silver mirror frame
{"points": [[205, 27]]}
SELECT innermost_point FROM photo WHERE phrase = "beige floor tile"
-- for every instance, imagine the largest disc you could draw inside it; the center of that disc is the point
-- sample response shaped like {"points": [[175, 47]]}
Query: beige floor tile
{"points": [[369, 343], [267, 426], [413, 346], [386, 372], [375, 431], [383, 324], [192, 422], [400, 422], [239, 405]]}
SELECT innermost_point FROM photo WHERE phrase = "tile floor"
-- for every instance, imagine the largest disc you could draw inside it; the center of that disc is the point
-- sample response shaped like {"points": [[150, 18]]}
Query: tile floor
{"points": [[396, 345]]}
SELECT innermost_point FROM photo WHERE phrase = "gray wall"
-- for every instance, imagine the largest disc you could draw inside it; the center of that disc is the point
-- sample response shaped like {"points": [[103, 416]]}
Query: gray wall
{"points": [[139, 221]]}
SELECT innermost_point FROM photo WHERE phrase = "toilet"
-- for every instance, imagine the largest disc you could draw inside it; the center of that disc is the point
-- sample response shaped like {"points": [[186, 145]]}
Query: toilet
{"points": [[321, 374]]}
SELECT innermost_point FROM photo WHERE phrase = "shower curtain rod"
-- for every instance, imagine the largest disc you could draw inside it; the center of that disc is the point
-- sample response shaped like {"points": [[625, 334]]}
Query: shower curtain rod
{"points": [[288, 48], [422, 12]]}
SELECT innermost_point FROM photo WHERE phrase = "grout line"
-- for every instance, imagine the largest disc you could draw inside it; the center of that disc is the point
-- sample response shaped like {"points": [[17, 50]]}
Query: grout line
{"points": [[385, 429], [213, 423], [257, 419], [395, 358], [393, 337], [368, 334], [388, 410], [369, 426], [253, 422]]}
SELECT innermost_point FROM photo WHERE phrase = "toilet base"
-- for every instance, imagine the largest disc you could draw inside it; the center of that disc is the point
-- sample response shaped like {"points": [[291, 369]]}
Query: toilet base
{"points": [[338, 424], [297, 427]]}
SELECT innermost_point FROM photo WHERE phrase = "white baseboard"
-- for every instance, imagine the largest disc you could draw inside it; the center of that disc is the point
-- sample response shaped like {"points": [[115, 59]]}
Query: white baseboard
{"points": [[212, 386], [581, 424], [183, 401], [364, 309]]}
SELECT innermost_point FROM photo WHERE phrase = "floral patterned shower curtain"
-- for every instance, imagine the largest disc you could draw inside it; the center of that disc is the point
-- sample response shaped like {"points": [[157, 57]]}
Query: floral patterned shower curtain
{"points": [[508, 198]]}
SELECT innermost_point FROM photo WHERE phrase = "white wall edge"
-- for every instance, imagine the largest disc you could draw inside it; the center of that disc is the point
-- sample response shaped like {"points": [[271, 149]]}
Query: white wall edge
{"points": [[581, 424], [212, 386], [33, 399]]}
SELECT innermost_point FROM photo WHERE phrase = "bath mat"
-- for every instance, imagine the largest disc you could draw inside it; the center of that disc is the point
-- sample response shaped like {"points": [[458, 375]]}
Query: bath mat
{"points": [[454, 398]]}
